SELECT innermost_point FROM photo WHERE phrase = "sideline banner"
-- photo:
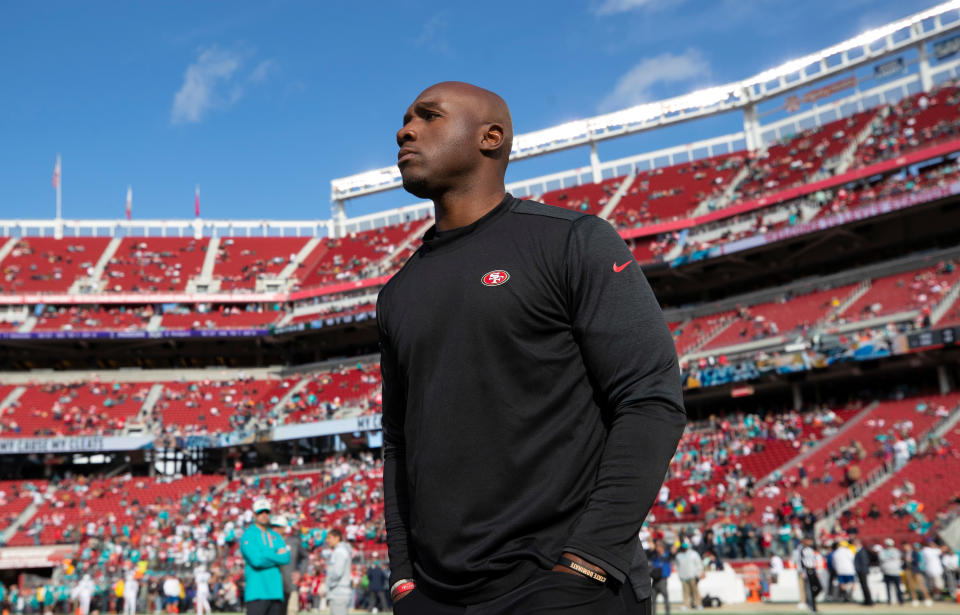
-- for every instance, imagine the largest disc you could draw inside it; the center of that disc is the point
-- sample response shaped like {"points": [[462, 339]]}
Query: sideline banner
{"points": [[73, 444], [369, 422], [131, 335]]}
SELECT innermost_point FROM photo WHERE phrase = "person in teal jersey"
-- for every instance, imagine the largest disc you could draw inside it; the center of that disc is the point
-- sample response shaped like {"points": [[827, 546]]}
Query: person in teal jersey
{"points": [[264, 552]]}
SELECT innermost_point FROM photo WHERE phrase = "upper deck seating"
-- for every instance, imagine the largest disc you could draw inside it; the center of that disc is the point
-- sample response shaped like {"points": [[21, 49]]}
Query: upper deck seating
{"points": [[48, 265], [154, 264], [241, 261]]}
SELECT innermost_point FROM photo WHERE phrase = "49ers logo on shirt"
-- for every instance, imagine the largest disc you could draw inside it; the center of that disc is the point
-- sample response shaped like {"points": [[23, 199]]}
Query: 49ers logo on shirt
{"points": [[497, 277]]}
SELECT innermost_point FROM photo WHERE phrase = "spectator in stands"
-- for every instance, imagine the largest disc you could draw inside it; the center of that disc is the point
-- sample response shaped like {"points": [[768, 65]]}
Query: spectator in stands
{"points": [[264, 552]]}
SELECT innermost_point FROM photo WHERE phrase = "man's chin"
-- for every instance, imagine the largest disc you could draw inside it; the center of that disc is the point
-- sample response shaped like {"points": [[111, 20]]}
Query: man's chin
{"points": [[417, 186]]}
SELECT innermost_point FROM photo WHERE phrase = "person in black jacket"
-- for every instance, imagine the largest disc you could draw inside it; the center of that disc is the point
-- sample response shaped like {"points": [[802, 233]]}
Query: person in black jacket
{"points": [[377, 587], [531, 391], [861, 563]]}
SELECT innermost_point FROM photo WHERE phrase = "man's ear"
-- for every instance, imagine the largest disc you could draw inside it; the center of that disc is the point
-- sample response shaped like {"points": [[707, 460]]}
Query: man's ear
{"points": [[492, 139]]}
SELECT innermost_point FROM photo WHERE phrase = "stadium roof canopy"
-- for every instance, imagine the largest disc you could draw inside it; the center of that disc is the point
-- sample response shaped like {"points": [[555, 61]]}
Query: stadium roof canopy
{"points": [[867, 47]]}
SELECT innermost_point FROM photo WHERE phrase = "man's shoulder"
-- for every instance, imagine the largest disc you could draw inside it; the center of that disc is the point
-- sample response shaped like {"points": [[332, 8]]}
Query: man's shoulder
{"points": [[536, 208]]}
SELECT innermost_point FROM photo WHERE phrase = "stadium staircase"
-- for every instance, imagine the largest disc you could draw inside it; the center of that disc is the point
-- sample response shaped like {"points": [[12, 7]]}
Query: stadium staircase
{"points": [[726, 197], [94, 283], [717, 329], [847, 158], [205, 282], [384, 263], [7, 533], [825, 442], [860, 291], [942, 308], [607, 210], [7, 247], [140, 424], [278, 408], [287, 275], [11, 397], [824, 497], [28, 324], [887, 472], [154, 324]]}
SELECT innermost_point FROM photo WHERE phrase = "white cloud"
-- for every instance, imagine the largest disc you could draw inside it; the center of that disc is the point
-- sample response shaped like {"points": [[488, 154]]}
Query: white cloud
{"points": [[635, 86], [612, 7], [262, 71], [215, 80]]}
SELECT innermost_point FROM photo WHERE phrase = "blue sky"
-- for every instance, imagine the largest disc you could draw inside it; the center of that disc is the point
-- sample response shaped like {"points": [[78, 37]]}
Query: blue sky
{"points": [[263, 103]]}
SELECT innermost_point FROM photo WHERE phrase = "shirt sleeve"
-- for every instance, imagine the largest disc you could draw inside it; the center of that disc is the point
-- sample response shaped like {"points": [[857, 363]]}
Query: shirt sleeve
{"points": [[632, 363], [395, 490]]}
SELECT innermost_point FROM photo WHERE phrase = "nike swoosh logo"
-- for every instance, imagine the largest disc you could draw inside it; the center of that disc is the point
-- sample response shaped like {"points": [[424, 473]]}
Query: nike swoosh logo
{"points": [[619, 268]]}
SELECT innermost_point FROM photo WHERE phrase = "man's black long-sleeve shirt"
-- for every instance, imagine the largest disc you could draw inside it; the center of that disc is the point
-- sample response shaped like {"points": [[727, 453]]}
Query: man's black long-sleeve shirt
{"points": [[531, 401]]}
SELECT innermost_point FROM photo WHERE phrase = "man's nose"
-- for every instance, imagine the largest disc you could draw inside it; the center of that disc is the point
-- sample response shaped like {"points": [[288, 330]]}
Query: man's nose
{"points": [[405, 134]]}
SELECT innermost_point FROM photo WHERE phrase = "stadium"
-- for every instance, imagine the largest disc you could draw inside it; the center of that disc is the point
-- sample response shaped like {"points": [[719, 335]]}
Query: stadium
{"points": [[159, 376]]}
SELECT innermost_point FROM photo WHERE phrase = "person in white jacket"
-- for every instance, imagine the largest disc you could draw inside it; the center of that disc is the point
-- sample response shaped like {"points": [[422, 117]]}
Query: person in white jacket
{"points": [[951, 563], [845, 569], [131, 589], [891, 565], [83, 593], [933, 569], [201, 577], [339, 592], [690, 570]]}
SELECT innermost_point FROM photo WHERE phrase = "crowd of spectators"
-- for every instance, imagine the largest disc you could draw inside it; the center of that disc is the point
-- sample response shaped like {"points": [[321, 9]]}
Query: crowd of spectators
{"points": [[254, 267], [154, 270], [82, 317], [72, 408], [169, 536], [901, 132], [51, 266]]}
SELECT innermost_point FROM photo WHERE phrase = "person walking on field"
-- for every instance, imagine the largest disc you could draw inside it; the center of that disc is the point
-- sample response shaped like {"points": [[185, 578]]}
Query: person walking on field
{"points": [[843, 564], [913, 575], [291, 570], [808, 564], [891, 565], [861, 564], [131, 589], [339, 590], [531, 389], [690, 571], [659, 573], [201, 579], [264, 552]]}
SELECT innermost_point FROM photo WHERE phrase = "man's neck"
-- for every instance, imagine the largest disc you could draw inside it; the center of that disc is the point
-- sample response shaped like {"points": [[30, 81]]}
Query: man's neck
{"points": [[458, 209], [262, 527]]}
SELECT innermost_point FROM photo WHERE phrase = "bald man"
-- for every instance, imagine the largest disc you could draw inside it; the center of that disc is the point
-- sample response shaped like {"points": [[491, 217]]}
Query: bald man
{"points": [[531, 393]]}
